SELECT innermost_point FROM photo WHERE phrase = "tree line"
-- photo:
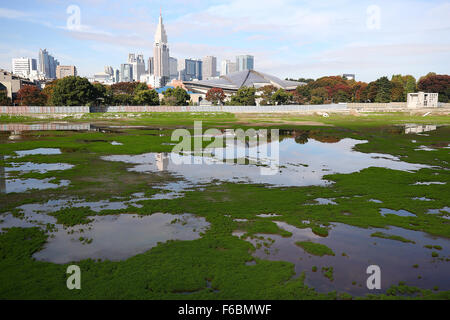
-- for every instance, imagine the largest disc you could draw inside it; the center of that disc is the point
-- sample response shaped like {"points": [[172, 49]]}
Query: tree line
{"points": [[78, 91], [336, 89]]}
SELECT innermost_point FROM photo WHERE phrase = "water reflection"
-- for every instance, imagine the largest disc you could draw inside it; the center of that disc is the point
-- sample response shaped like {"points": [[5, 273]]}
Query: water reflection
{"points": [[118, 237], [396, 259], [299, 164], [413, 128]]}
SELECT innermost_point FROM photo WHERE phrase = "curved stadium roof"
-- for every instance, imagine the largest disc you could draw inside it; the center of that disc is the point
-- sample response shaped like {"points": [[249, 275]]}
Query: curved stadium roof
{"points": [[248, 78]]}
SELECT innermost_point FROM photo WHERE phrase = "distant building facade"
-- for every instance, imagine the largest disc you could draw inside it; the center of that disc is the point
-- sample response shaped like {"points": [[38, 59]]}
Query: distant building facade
{"points": [[126, 72], [65, 71], [227, 67], [47, 64], [422, 100], [138, 64], [173, 67], [150, 66], [190, 69], [12, 83], [209, 67], [161, 53], [349, 76], [245, 62], [23, 66]]}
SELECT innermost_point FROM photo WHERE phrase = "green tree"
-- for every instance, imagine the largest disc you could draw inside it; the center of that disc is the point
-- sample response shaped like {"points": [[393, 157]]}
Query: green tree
{"points": [[266, 94], [384, 90], [281, 97], [398, 89], [146, 97], [410, 84], [319, 95], [176, 97], [302, 94], [140, 86], [103, 94], [245, 96], [122, 99], [74, 91], [4, 100]]}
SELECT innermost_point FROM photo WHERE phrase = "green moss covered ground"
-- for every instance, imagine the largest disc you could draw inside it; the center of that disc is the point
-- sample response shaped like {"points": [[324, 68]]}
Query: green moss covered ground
{"points": [[180, 269]]}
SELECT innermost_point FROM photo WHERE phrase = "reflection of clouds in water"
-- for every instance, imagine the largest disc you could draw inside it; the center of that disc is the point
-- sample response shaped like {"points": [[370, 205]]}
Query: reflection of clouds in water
{"points": [[337, 157], [361, 250], [118, 237]]}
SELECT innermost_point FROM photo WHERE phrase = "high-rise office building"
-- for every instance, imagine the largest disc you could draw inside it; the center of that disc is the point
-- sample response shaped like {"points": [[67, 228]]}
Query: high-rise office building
{"points": [[161, 53], [227, 67], [150, 66], [109, 70], [138, 64], [209, 67], [126, 72], [65, 71], [245, 62], [23, 66], [47, 64], [173, 67], [189, 69]]}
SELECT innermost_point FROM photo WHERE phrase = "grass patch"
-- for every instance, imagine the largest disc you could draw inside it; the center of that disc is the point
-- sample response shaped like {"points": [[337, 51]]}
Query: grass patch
{"points": [[390, 237], [316, 249]]}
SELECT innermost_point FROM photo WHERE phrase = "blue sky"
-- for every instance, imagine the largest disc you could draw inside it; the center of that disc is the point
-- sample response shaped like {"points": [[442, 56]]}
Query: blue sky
{"points": [[289, 38]]}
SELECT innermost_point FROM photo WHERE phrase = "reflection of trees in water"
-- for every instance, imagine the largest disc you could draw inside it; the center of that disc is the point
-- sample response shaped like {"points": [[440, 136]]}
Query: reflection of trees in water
{"points": [[2, 175], [302, 136]]}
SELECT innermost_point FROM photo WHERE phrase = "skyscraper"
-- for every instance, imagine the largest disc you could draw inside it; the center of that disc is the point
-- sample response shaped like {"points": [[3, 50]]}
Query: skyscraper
{"points": [[173, 67], [190, 69], [150, 66], [161, 53], [126, 72], [245, 62], [47, 64], [227, 67], [23, 66], [209, 67], [138, 65]]}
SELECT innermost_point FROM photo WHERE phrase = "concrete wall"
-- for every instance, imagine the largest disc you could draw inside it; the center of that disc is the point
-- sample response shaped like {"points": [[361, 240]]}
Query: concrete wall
{"points": [[232, 109], [377, 105], [43, 110]]}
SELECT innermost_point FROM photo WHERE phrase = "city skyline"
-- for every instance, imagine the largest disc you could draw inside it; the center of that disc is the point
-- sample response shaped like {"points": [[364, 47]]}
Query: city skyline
{"points": [[309, 40]]}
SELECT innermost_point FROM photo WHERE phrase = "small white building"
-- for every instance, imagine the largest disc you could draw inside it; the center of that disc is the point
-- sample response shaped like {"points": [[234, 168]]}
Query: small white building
{"points": [[152, 80], [422, 100]]}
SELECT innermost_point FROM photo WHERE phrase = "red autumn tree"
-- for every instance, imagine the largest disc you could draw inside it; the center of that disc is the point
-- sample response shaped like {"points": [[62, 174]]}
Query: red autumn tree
{"points": [[436, 83], [31, 96], [215, 95]]}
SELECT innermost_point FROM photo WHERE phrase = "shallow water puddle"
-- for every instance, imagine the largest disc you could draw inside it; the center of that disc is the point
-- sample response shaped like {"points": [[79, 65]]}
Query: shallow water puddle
{"points": [[396, 259], [299, 164], [38, 151], [37, 167], [22, 185], [401, 213], [118, 237]]}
